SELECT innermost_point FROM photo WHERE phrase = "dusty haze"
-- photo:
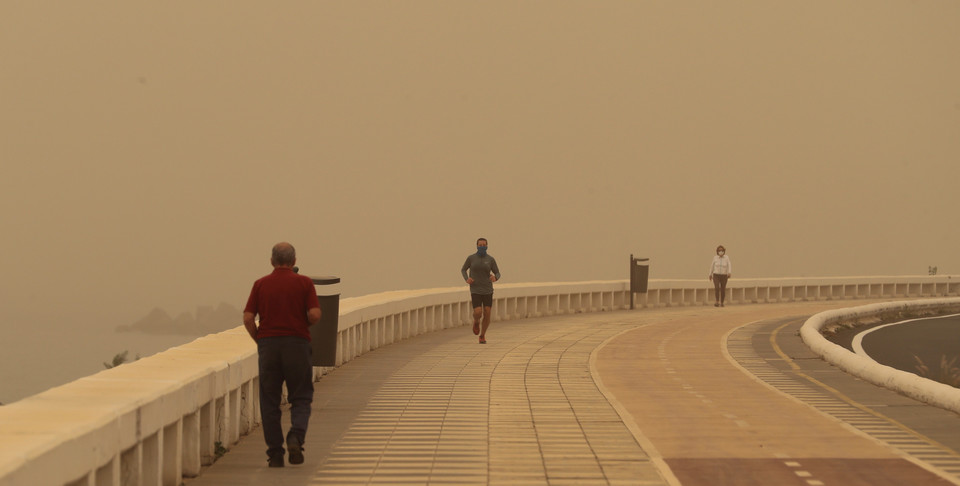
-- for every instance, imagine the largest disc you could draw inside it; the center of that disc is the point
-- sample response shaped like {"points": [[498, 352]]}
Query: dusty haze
{"points": [[152, 154]]}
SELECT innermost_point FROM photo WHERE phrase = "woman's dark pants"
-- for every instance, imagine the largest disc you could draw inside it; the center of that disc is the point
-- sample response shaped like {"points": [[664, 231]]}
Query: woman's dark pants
{"points": [[720, 286], [284, 359]]}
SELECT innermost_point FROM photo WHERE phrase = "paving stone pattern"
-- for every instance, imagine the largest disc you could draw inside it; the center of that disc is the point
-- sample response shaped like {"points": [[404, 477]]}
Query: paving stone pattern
{"points": [[522, 409]]}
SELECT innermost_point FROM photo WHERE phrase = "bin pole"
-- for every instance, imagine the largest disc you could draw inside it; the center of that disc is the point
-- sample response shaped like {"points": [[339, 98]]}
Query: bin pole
{"points": [[631, 281]]}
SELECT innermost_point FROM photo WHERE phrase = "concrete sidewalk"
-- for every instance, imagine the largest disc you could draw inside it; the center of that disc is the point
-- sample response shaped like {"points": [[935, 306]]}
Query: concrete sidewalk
{"points": [[669, 403]]}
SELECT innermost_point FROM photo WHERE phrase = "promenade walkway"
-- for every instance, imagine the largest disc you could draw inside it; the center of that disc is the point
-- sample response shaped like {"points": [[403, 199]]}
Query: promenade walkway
{"points": [[690, 396]]}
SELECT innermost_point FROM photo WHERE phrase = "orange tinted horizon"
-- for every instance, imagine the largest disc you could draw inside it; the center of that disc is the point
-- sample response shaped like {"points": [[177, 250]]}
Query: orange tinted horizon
{"points": [[153, 154]]}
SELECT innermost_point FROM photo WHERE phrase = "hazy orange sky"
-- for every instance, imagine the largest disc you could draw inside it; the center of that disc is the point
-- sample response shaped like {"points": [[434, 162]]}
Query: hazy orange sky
{"points": [[153, 153]]}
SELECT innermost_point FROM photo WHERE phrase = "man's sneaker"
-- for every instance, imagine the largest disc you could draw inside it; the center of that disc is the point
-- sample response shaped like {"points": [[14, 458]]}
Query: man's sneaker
{"points": [[275, 461], [295, 448], [483, 340]]}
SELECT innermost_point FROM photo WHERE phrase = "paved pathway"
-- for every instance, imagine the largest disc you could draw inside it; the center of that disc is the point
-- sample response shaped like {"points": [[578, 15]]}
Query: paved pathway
{"points": [[664, 401], [723, 406]]}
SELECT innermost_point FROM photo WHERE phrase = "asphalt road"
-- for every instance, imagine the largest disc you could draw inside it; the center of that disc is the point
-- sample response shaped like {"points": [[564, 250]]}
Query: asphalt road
{"points": [[908, 344]]}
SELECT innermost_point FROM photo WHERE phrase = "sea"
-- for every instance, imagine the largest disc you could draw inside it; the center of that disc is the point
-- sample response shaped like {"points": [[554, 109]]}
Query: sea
{"points": [[36, 359]]}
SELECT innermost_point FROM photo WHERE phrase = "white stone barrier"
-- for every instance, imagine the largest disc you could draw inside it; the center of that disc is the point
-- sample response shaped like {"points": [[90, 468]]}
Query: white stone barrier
{"points": [[905, 383], [148, 422], [160, 418]]}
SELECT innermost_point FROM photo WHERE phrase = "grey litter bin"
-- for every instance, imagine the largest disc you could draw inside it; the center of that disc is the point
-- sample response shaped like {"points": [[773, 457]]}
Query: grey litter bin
{"points": [[323, 335], [639, 275]]}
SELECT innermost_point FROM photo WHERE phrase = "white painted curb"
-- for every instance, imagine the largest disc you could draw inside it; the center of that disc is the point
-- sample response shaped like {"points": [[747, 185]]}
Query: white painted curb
{"points": [[908, 384]]}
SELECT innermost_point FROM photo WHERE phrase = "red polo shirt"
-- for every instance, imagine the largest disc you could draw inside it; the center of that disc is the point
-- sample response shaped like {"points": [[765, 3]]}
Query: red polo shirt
{"points": [[282, 300]]}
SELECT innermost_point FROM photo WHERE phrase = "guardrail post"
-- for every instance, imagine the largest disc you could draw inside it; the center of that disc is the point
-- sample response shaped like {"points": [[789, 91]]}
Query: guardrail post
{"points": [[191, 444], [172, 455]]}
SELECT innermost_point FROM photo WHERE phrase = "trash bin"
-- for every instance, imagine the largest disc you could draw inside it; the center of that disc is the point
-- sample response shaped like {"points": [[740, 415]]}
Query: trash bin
{"points": [[323, 335], [639, 275]]}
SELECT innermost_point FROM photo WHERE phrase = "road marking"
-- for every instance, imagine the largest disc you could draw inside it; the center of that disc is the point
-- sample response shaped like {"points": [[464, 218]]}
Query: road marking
{"points": [[915, 447], [645, 443], [857, 343]]}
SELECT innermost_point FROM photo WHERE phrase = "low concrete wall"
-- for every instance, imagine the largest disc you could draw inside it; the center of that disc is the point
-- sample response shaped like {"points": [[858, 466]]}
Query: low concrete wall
{"points": [[160, 418], [147, 422], [371, 321], [905, 383]]}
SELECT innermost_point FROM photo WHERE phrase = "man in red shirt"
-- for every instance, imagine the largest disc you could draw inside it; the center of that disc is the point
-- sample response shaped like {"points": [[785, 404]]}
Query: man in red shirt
{"points": [[287, 305]]}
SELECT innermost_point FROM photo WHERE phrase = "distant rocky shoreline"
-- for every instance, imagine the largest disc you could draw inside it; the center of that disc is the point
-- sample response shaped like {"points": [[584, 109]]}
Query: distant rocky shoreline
{"points": [[205, 320]]}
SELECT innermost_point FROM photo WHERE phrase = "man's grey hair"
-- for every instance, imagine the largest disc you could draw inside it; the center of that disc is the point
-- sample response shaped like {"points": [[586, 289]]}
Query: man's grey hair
{"points": [[283, 254]]}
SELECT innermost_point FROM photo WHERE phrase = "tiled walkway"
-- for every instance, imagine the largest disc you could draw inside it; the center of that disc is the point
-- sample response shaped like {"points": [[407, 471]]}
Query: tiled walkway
{"points": [[587, 399], [443, 409], [515, 411]]}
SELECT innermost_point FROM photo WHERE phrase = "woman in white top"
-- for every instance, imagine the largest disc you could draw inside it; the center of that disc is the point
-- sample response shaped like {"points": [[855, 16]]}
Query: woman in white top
{"points": [[720, 270]]}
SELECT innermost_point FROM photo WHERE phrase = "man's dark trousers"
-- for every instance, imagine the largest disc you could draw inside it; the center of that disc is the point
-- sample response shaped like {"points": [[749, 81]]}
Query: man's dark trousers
{"points": [[284, 358]]}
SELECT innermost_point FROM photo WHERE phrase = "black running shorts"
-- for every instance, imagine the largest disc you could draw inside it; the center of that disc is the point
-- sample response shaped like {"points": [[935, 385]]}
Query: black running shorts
{"points": [[484, 300]]}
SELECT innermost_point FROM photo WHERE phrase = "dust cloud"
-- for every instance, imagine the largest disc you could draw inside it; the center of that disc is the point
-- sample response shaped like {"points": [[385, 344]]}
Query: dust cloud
{"points": [[153, 153]]}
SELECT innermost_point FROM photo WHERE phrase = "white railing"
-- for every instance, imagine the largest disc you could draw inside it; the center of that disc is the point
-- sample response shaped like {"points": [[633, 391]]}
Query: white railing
{"points": [[372, 321], [905, 383], [160, 418]]}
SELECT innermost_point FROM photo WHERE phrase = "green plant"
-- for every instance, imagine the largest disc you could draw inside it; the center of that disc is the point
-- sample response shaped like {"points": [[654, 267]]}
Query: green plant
{"points": [[218, 449], [948, 373], [118, 360]]}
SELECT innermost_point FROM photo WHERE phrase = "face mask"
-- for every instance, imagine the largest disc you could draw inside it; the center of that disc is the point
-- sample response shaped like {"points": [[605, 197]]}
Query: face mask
{"points": [[481, 250]]}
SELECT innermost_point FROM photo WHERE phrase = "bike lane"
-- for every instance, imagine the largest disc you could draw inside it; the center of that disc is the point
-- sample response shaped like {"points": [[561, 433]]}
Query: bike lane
{"points": [[697, 410]]}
